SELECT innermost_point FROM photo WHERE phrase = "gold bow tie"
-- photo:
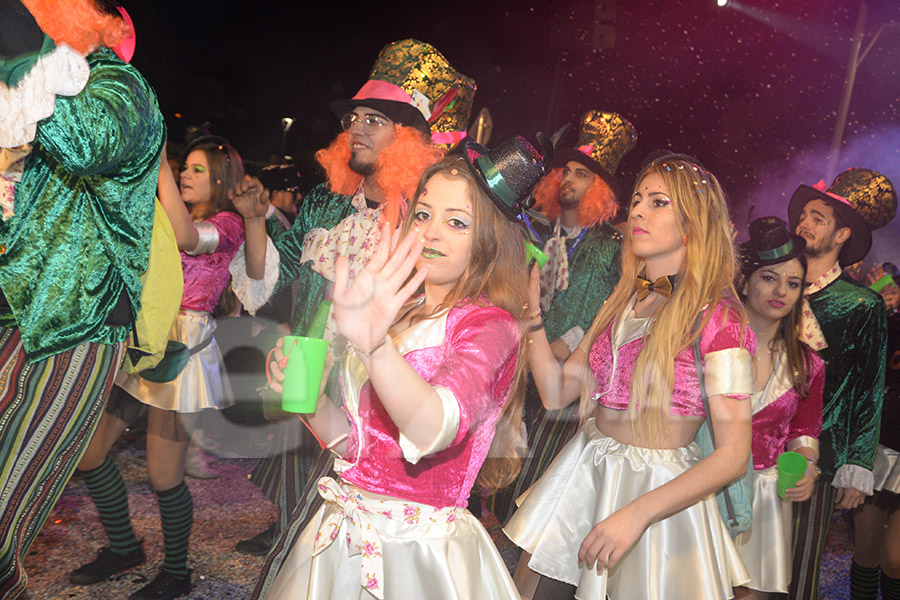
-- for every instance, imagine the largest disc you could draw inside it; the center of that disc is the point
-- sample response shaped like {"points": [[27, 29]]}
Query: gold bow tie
{"points": [[662, 286]]}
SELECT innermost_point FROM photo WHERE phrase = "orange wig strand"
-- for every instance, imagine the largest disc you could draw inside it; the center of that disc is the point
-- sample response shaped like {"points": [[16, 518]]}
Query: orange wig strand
{"points": [[397, 169], [598, 204], [78, 23]]}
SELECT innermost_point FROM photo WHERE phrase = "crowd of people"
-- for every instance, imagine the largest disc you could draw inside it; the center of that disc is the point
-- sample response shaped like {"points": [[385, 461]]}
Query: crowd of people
{"points": [[619, 399]]}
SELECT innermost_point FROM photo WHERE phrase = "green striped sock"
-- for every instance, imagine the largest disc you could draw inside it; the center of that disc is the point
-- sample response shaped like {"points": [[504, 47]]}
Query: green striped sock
{"points": [[107, 490], [176, 511], [890, 587], [863, 582]]}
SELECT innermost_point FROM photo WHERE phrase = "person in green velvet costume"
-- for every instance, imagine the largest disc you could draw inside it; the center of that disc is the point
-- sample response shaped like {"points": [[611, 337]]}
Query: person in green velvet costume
{"points": [[845, 323], [80, 141], [577, 200], [371, 169]]}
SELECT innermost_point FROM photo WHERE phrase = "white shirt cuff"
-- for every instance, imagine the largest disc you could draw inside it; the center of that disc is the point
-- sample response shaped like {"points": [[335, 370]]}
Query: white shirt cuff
{"points": [[854, 476], [449, 428], [254, 293]]}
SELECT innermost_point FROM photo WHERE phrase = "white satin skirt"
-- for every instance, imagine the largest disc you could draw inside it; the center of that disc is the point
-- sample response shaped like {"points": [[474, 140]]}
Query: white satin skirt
{"points": [[887, 470], [766, 546], [202, 384], [361, 548], [688, 556]]}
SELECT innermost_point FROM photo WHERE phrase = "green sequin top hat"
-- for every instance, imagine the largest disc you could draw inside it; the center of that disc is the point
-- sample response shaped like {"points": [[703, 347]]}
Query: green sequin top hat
{"points": [[411, 82], [771, 242], [865, 199], [605, 138], [507, 173]]}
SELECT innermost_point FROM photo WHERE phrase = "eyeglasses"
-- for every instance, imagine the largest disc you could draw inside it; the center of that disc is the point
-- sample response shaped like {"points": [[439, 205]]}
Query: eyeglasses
{"points": [[370, 123]]}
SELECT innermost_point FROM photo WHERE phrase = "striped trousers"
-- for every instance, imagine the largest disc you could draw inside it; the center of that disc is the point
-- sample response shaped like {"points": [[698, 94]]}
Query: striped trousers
{"points": [[49, 410], [811, 521]]}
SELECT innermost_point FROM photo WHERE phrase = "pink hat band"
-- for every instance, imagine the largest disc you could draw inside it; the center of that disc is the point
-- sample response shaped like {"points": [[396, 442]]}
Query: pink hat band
{"points": [[821, 187], [374, 89]]}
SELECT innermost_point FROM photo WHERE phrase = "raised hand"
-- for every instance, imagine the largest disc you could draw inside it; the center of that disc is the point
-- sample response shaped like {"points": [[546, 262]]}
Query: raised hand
{"points": [[365, 308], [250, 198]]}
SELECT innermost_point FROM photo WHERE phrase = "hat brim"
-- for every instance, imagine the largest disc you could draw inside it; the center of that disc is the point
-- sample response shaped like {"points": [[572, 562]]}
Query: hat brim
{"points": [[860, 242], [562, 156], [472, 151], [399, 112], [748, 248]]}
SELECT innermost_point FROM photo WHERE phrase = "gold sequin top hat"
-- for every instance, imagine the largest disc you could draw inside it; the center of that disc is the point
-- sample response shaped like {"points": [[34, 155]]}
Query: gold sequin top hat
{"points": [[411, 82], [864, 198], [450, 128], [605, 138]]}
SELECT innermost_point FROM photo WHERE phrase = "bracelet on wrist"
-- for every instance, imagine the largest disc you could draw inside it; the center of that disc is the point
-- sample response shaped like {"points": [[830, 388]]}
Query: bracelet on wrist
{"points": [[368, 354]]}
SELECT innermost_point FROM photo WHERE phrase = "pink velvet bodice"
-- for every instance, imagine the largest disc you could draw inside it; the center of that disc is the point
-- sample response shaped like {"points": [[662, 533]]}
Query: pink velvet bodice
{"points": [[788, 417], [476, 362], [723, 331], [206, 275]]}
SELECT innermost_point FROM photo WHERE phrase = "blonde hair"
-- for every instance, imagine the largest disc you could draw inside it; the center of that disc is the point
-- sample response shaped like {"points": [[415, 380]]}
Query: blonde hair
{"points": [[496, 274], [705, 277]]}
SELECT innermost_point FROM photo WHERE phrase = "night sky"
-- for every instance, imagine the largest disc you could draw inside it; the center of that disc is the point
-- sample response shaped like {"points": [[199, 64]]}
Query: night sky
{"points": [[752, 91]]}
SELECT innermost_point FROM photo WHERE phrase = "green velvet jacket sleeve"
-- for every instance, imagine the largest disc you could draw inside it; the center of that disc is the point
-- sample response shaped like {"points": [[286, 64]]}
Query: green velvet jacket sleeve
{"points": [[83, 218], [321, 208], [594, 271], [855, 327]]}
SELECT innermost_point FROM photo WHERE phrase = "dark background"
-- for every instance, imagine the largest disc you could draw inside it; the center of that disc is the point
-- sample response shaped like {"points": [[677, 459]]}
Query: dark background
{"points": [[751, 90]]}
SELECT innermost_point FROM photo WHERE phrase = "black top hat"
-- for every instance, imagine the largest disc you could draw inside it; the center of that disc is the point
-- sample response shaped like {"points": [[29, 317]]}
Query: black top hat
{"points": [[280, 177], [771, 242], [507, 173], [854, 249]]}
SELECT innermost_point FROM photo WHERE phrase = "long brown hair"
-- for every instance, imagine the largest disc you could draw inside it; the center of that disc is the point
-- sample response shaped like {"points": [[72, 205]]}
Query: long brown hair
{"points": [[799, 355], [497, 274], [705, 277], [226, 169]]}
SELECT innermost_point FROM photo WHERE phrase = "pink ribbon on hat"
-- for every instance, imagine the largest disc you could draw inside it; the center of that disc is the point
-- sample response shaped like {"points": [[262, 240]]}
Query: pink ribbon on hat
{"points": [[821, 187], [587, 149]]}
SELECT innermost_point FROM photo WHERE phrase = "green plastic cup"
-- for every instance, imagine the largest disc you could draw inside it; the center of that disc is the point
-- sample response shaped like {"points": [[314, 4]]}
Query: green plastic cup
{"points": [[534, 253], [791, 469], [303, 373]]}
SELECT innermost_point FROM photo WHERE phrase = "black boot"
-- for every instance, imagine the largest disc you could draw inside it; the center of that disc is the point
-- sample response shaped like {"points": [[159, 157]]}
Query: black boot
{"points": [[164, 586], [106, 563], [260, 543]]}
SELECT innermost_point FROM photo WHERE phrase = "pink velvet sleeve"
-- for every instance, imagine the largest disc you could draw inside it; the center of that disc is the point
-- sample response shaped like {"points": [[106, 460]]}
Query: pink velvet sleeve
{"points": [[725, 330], [808, 418], [231, 230], [479, 365]]}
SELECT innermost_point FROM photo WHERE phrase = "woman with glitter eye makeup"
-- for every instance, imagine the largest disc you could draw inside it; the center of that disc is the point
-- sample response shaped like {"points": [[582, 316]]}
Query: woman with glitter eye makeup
{"points": [[627, 509], [208, 234], [788, 380], [431, 384]]}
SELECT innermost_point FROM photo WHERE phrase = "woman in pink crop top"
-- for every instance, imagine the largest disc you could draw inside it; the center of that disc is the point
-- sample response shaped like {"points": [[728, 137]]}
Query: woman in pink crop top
{"points": [[208, 238], [626, 511], [788, 379], [430, 385]]}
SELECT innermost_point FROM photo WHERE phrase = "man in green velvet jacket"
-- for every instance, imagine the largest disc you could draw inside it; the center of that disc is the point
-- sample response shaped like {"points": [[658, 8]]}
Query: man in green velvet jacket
{"points": [[77, 192], [845, 323]]}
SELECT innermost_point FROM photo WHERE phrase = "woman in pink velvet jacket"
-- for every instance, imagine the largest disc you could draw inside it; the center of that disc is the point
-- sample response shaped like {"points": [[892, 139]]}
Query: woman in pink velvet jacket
{"points": [[788, 379], [430, 385]]}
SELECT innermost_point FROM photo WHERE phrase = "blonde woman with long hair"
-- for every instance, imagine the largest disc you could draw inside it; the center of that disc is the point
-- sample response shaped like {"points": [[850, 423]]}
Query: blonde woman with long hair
{"points": [[627, 510]]}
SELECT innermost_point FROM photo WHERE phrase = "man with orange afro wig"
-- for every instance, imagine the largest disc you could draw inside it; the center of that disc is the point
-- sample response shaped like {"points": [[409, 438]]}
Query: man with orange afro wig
{"points": [[372, 168], [577, 198], [80, 140]]}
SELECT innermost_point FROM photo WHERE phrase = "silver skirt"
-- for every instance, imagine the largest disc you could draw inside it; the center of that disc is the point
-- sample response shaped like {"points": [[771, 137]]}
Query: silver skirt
{"points": [[688, 556], [887, 470]]}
